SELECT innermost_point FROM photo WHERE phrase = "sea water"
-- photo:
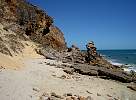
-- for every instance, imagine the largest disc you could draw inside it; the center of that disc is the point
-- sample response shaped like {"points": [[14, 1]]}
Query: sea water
{"points": [[121, 57]]}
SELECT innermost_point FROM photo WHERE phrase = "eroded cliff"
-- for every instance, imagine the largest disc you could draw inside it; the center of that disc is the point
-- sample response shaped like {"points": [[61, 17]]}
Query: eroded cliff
{"points": [[28, 22]]}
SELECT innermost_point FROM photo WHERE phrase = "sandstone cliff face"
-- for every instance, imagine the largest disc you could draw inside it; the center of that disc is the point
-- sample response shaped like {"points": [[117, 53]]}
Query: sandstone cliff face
{"points": [[28, 22], [54, 39]]}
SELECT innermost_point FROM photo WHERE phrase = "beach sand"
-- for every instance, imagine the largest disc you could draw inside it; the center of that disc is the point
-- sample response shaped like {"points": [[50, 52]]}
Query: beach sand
{"points": [[36, 77]]}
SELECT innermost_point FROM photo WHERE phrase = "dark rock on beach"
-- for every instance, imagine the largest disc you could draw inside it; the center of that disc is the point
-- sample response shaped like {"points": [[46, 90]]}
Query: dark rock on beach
{"points": [[73, 54], [69, 94], [86, 69], [95, 65], [119, 75], [116, 75], [53, 94]]}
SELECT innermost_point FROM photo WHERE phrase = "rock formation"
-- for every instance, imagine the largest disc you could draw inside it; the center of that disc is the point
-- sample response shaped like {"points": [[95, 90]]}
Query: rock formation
{"points": [[94, 58], [29, 23], [91, 53]]}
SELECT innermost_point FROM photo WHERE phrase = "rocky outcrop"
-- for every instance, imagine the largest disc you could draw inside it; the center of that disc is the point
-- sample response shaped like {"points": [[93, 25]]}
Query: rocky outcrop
{"points": [[91, 53], [101, 72], [88, 63], [54, 39], [74, 55], [29, 22], [70, 55], [94, 58]]}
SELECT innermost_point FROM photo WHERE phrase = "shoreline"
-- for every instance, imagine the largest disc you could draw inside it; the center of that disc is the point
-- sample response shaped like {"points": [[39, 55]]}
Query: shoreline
{"points": [[126, 67]]}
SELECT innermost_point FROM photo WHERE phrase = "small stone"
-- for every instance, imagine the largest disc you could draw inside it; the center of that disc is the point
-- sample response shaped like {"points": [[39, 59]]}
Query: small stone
{"points": [[89, 92], [109, 95], [76, 95], [89, 98], [69, 98], [47, 63], [81, 98], [55, 95], [116, 99], [1, 67], [98, 94], [68, 77], [74, 98], [63, 77], [110, 99], [64, 61], [45, 94], [36, 89], [69, 94], [65, 95], [54, 98], [44, 98], [53, 64], [54, 75]]}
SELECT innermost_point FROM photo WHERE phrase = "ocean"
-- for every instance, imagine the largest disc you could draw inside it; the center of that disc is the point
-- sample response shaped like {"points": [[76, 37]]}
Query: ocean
{"points": [[121, 57]]}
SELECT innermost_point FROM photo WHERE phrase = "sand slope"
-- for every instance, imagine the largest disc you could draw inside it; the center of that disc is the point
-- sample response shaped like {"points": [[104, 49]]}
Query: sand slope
{"points": [[8, 62]]}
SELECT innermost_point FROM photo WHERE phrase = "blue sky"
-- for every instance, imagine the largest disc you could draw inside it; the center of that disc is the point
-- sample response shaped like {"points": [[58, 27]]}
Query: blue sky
{"points": [[111, 24]]}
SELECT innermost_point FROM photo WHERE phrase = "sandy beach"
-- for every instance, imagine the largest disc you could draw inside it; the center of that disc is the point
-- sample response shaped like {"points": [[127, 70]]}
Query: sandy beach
{"points": [[35, 58], [39, 75]]}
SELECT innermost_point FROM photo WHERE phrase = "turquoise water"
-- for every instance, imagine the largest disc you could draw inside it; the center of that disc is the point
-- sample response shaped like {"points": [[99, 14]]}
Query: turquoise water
{"points": [[118, 57]]}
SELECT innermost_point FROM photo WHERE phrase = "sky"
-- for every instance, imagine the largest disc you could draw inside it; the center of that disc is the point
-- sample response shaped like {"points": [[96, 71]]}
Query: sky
{"points": [[111, 24]]}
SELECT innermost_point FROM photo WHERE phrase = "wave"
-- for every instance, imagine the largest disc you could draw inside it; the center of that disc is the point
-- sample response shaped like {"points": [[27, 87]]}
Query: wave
{"points": [[130, 69], [127, 68], [116, 63], [121, 58]]}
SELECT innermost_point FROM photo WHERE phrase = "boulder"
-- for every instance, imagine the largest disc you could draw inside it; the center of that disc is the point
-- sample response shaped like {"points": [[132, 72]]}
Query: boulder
{"points": [[98, 94]]}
